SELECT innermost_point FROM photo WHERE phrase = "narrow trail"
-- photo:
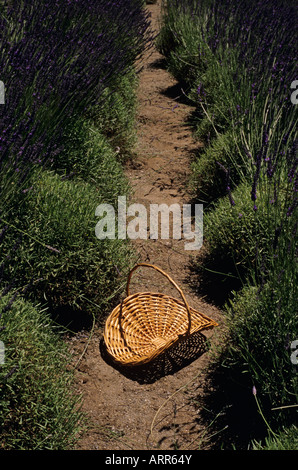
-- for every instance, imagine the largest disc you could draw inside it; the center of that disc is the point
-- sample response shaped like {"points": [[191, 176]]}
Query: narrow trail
{"points": [[160, 412]]}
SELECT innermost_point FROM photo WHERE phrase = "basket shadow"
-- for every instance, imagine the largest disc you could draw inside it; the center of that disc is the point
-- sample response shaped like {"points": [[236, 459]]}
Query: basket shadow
{"points": [[169, 362]]}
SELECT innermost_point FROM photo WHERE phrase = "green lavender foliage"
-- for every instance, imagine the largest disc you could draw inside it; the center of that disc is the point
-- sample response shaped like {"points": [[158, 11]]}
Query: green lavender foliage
{"points": [[38, 409], [238, 62]]}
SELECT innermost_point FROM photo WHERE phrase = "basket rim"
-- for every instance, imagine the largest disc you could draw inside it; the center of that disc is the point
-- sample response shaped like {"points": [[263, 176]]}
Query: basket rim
{"points": [[159, 294]]}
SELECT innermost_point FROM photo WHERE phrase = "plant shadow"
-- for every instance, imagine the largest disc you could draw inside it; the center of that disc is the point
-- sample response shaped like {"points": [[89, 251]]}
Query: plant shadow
{"points": [[227, 402], [168, 363], [71, 319], [213, 279], [177, 93], [160, 63]]}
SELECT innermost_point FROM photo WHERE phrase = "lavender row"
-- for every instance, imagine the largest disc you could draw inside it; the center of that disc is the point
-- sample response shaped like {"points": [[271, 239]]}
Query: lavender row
{"points": [[56, 59]]}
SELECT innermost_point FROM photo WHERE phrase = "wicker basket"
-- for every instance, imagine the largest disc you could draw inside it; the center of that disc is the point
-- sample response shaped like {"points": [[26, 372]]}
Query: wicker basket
{"points": [[145, 324]]}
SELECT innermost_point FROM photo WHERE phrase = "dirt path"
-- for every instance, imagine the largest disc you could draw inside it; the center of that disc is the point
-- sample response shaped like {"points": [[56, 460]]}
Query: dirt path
{"points": [[157, 412]]}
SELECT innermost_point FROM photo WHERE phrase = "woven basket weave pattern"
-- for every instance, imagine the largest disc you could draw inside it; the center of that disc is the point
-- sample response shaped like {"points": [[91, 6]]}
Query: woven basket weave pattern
{"points": [[146, 324]]}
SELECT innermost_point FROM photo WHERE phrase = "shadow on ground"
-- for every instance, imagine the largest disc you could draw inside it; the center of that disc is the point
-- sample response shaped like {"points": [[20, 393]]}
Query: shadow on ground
{"points": [[227, 408], [214, 279], [168, 363], [178, 93]]}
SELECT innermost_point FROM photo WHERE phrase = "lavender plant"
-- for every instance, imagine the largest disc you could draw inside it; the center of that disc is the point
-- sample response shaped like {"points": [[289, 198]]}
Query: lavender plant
{"points": [[37, 407], [239, 67], [56, 66], [60, 61]]}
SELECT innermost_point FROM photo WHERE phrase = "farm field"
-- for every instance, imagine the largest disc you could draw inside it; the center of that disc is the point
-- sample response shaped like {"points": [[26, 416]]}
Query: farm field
{"points": [[159, 103]]}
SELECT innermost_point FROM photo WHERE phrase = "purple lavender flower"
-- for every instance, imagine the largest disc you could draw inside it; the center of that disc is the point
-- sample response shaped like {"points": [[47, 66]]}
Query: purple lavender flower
{"points": [[58, 64]]}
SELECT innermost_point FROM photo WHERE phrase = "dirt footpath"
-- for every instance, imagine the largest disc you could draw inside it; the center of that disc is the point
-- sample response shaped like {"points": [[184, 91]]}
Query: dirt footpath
{"points": [[155, 407]]}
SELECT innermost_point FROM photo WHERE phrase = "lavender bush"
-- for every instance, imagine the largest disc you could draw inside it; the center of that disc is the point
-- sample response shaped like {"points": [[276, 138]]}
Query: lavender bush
{"points": [[61, 62], [38, 409], [58, 60], [239, 62]]}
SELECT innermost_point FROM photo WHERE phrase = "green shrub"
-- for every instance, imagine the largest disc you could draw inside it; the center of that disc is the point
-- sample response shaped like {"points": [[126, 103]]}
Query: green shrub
{"points": [[262, 318], [208, 179], [49, 250], [248, 126], [287, 439], [59, 251], [231, 230], [179, 40], [38, 407], [88, 155], [262, 326], [116, 119], [94, 146]]}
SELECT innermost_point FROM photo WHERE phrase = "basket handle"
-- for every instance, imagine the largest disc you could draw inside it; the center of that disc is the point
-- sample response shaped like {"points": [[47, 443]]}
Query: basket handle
{"points": [[171, 281]]}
